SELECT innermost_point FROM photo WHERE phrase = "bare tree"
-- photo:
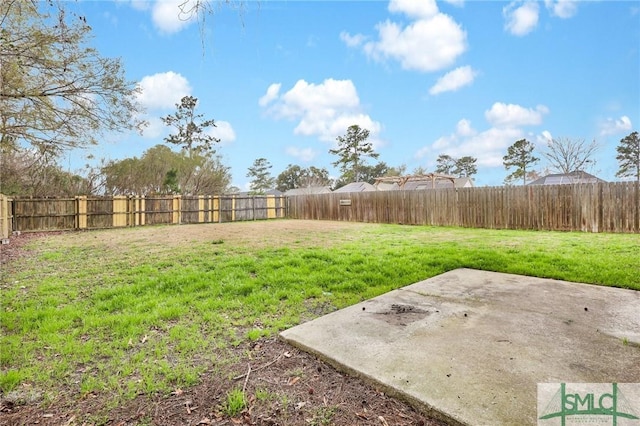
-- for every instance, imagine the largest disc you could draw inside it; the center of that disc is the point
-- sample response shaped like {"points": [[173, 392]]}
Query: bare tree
{"points": [[566, 155], [56, 92]]}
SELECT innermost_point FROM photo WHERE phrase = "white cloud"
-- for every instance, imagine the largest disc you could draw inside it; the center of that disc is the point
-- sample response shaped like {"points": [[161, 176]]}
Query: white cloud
{"points": [[431, 42], [223, 131], [562, 8], [457, 3], [490, 145], [154, 129], [171, 16], [487, 146], [137, 4], [352, 40], [521, 18], [544, 138], [304, 155], [424, 45], [272, 94], [454, 80], [463, 128], [612, 126], [162, 90], [511, 115], [414, 8], [324, 110]]}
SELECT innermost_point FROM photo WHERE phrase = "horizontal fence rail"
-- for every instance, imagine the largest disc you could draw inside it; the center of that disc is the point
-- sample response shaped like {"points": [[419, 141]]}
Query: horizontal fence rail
{"points": [[49, 214], [601, 207]]}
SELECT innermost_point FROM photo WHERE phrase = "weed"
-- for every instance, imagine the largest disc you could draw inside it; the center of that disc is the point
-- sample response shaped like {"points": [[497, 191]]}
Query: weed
{"points": [[9, 380], [263, 395], [323, 416], [234, 403], [255, 334], [298, 372]]}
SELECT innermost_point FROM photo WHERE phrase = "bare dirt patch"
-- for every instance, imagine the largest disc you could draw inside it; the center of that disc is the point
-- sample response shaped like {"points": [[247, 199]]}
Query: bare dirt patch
{"points": [[258, 234], [283, 386]]}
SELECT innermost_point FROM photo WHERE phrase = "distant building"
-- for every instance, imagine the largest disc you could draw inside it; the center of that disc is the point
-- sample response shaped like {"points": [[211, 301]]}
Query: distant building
{"points": [[309, 190], [356, 187], [386, 186], [422, 182], [252, 194], [578, 176], [418, 185]]}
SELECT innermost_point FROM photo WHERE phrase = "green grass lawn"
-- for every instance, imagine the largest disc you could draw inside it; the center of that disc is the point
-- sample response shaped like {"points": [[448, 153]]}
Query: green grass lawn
{"points": [[124, 312]]}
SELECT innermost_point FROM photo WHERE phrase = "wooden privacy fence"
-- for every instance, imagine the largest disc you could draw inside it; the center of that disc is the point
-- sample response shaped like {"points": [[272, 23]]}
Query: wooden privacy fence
{"points": [[47, 214], [602, 207]]}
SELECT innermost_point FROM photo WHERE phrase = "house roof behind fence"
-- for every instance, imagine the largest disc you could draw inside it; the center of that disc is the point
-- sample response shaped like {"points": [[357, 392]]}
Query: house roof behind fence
{"points": [[421, 182], [308, 190], [567, 178], [417, 185], [356, 187]]}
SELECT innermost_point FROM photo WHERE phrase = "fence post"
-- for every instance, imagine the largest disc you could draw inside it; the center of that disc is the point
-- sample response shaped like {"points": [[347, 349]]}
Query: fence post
{"points": [[142, 211], [81, 212], [215, 209], [4, 217], [177, 210], [200, 209]]}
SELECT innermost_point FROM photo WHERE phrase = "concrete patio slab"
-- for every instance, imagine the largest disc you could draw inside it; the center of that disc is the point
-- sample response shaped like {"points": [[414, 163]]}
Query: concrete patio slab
{"points": [[471, 346]]}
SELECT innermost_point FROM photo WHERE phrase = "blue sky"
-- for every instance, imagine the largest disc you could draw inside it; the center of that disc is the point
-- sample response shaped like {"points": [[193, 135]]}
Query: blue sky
{"points": [[461, 77]]}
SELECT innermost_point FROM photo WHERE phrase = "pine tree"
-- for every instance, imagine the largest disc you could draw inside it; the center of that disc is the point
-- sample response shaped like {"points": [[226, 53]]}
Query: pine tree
{"points": [[629, 156], [352, 148], [261, 179], [519, 155]]}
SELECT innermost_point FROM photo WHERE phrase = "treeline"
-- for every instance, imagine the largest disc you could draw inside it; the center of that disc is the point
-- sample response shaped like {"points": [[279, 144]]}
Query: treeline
{"points": [[158, 171]]}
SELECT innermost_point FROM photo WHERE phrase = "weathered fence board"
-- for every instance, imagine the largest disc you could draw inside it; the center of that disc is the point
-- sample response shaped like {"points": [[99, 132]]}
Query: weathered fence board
{"points": [[47, 214], [44, 215], [601, 207]]}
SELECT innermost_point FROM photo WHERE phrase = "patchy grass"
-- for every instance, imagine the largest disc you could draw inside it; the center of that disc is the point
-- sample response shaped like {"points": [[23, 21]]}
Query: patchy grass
{"points": [[235, 403], [148, 310]]}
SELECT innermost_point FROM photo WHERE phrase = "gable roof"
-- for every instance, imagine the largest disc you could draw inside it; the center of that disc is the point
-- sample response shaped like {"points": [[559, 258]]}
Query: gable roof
{"points": [[422, 182], [418, 185], [386, 186], [356, 187], [308, 190], [577, 176]]}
